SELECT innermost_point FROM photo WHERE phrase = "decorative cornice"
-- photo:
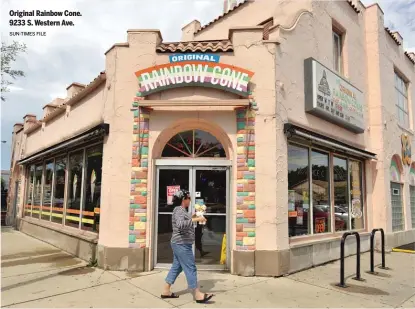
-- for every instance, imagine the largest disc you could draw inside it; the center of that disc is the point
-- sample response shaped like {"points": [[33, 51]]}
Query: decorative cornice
{"points": [[196, 46], [392, 36]]}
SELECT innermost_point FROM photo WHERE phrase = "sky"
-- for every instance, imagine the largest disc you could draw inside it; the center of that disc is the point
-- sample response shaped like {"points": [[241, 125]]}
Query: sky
{"points": [[76, 54]]}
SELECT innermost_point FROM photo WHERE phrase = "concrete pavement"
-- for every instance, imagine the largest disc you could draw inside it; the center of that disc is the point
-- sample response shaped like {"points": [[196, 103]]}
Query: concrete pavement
{"points": [[37, 275]]}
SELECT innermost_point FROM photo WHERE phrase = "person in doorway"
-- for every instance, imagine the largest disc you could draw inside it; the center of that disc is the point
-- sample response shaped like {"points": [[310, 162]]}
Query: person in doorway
{"points": [[182, 241], [198, 240]]}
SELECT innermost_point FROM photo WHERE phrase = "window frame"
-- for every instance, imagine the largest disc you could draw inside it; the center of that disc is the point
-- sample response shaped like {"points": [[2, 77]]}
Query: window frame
{"points": [[340, 40], [401, 188], [333, 153], [398, 77], [60, 155]]}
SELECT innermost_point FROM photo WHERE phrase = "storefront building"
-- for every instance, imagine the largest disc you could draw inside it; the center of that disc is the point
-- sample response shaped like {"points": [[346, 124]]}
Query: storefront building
{"points": [[290, 121]]}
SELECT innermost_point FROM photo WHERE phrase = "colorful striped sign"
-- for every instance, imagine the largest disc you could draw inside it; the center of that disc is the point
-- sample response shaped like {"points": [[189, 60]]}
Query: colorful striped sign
{"points": [[194, 73]]}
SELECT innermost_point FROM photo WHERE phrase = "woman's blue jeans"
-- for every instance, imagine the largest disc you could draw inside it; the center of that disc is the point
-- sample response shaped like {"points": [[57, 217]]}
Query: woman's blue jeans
{"points": [[183, 260]]}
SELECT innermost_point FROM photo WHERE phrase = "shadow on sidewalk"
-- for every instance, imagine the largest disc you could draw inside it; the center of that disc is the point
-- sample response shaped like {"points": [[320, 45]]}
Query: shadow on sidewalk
{"points": [[69, 272], [58, 259], [28, 254], [206, 286]]}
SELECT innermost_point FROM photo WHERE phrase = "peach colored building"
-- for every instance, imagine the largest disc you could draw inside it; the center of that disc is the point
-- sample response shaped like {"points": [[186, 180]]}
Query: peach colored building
{"points": [[291, 121]]}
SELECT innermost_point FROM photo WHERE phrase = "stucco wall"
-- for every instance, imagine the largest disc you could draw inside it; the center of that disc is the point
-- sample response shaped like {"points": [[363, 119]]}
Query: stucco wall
{"points": [[77, 118], [384, 56], [312, 31]]}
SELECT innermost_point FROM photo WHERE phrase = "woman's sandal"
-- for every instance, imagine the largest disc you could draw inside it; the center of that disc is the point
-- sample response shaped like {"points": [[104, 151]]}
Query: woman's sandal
{"points": [[205, 299], [172, 295]]}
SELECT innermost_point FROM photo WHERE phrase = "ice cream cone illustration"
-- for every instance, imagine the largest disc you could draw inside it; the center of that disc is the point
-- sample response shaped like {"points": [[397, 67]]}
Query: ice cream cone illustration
{"points": [[75, 181], [200, 211], [93, 178]]}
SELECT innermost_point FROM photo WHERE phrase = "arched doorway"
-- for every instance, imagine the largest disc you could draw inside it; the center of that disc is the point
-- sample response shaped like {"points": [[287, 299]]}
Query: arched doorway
{"points": [[195, 160]]}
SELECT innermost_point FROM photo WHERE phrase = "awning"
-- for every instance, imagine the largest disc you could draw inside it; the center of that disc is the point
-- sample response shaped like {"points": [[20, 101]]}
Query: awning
{"points": [[293, 130], [93, 133]]}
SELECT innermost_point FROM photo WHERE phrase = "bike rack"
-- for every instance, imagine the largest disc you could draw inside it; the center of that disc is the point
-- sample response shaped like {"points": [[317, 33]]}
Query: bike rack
{"points": [[372, 250], [343, 240]]}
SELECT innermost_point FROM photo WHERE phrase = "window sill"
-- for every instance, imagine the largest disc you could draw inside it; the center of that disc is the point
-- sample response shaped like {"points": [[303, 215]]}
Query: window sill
{"points": [[302, 241], [70, 231], [409, 131]]}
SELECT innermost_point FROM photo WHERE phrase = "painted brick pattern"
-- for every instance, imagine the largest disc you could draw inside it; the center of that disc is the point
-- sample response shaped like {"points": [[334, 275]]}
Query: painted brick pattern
{"points": [[139, 174], [245, 213]]}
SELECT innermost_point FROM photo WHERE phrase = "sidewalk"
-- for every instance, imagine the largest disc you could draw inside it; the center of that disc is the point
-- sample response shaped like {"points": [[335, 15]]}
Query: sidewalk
{"points": [[37, 275]]}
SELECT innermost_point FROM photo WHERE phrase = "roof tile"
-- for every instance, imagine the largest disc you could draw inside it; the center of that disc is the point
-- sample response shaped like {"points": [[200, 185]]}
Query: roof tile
{"points": [[196, 46]]}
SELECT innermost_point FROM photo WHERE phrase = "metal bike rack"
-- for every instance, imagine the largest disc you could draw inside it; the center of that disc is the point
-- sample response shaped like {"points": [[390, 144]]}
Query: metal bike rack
{"points": [[372, 250], [343, 240]]}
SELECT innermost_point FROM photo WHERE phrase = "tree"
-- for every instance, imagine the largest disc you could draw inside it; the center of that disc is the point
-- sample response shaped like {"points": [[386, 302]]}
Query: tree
{"points": [[8, 55]]}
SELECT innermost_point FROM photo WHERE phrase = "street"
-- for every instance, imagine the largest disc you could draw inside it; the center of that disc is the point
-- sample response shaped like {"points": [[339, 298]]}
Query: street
{"points": [[37, 275]]}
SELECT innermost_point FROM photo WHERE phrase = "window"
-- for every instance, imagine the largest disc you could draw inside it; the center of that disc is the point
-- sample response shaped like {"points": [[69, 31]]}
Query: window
{"points": [[194, 144], [59, 190], [401, 89], [397, 207], [356, 189], [298, 191], [337, 51], [73, 205], [47, 192], [336, 201], [92, 200], [37, 191], [321, 192], [412, 196], [341, 200], [71, 190], [29, 191]]}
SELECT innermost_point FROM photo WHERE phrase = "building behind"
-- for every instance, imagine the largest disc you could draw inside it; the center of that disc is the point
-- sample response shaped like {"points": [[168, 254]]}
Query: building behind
{"points": [[292, 121]]}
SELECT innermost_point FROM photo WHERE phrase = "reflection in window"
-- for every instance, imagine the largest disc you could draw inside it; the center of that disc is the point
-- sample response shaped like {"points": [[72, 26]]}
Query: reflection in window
{"points": [[341, 202], [59, 190], [321, 192], [92, 200], [355, 170], [37, 191], [75, 189], [298, 191], [29, 191], [47, 191], [194, 144]]}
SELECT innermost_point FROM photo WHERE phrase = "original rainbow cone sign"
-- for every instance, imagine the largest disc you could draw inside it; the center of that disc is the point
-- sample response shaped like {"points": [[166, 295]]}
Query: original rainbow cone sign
{"points": [[202, 70]]}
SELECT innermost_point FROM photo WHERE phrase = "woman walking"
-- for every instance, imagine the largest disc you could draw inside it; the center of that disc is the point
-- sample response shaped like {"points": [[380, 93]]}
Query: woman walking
{"points": [[182, 242]]}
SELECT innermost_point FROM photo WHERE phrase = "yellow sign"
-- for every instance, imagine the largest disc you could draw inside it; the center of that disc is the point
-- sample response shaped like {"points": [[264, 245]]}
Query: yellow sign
{"points": [[406, 149], [223, 251]]}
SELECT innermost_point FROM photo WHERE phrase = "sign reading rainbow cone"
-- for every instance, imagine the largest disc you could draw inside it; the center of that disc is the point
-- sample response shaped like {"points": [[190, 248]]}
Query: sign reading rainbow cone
{"points": [[201, 70]]}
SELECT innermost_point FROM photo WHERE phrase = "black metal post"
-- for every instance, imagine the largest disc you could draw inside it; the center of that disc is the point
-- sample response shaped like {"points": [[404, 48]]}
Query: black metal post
{"points": [[343, 240], [382, 234], [372, 250], [358, 278]]}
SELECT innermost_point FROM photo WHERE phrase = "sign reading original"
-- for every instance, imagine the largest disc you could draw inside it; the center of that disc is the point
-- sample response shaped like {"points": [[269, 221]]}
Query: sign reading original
{"points": [[329, 96], [194, 70]]}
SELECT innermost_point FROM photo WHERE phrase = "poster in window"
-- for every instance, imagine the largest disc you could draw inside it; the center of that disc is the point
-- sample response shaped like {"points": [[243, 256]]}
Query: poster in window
{"points": [[320, 225], [170, 192], [300, 214], [291, 200], [356, 209]]}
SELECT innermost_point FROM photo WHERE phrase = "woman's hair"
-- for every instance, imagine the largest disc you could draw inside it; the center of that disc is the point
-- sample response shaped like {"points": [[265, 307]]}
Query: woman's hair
{"points": [[179, 196]]}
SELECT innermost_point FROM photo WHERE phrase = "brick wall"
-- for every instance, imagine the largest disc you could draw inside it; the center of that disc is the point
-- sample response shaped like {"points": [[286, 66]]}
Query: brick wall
{"points": [[245, 213], [139, 175]]}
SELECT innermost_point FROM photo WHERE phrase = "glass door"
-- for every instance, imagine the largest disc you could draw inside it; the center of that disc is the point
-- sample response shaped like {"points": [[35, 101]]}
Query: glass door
{"points": [[208, 186], [211, 189], [169, 180]]}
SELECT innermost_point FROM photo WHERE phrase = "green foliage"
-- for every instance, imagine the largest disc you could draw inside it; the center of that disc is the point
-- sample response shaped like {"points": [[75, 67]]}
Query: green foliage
{"points": [[8, 56]]}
